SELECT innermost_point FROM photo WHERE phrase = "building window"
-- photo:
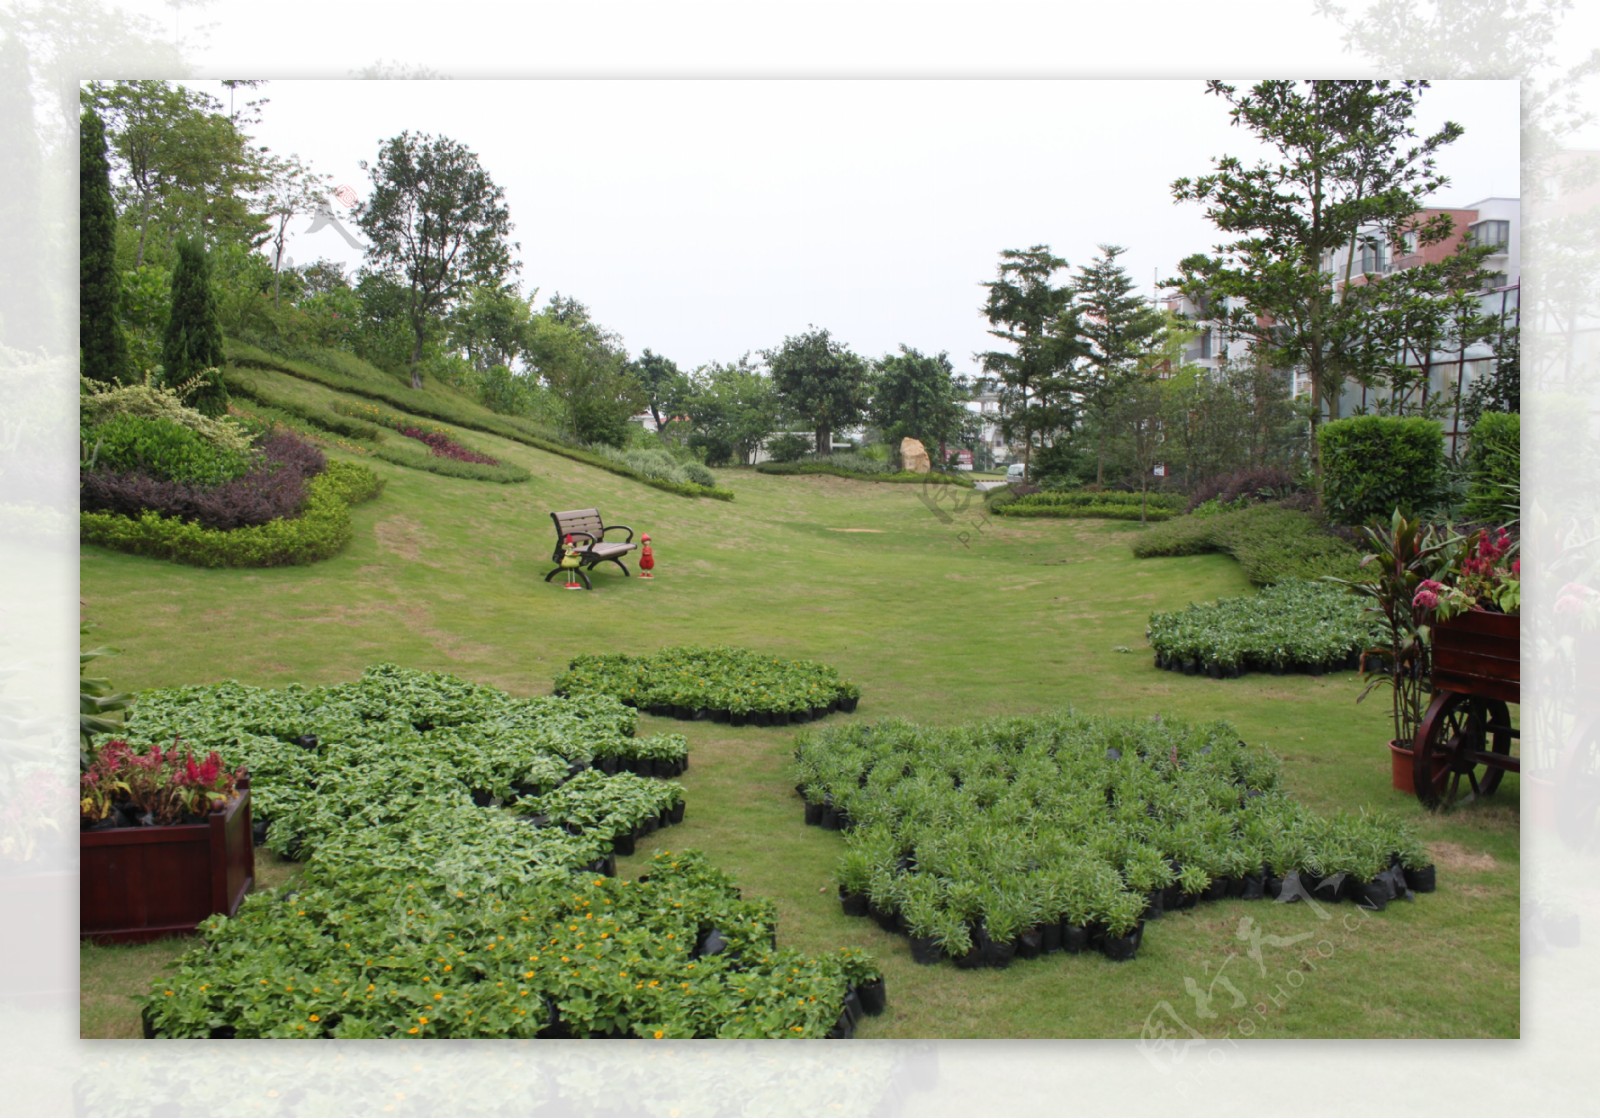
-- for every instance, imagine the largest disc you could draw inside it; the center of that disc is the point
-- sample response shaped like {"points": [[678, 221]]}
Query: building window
{"points": [[1496, 234], [1408, 242], [1494, 280], [1205, 344], [1374, 256]]}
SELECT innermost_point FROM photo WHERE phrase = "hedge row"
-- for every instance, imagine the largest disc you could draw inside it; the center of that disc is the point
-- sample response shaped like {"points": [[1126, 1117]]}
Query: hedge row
{"points": [[507, 427], [325, 419], [1111, 505], [902, 476], [1271, 543], [321, 530]]}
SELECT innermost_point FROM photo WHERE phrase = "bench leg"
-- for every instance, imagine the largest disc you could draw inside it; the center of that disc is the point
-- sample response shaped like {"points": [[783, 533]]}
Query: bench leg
{"points": [[622, 565]]}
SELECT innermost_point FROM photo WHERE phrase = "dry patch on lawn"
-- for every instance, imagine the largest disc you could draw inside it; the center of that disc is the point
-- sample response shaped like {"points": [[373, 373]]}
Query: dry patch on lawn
{"points": [[402, 536], [1453, 856]]}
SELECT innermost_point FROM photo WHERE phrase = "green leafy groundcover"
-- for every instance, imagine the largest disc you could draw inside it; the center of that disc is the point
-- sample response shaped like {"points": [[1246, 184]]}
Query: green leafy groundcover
{"points": [[1110, 505], [426, 911], [1017, 836], [1293, 626], [721, 682], [1271, 543]]}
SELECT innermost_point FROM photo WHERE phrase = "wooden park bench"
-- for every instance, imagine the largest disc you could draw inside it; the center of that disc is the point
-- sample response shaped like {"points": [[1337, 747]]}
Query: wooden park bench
{"points": [[588, 532]]}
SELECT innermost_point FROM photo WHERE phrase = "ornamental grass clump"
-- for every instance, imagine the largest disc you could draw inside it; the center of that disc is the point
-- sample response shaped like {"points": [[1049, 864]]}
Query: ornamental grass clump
{"points": [[1293, 626], [1012, 837]]}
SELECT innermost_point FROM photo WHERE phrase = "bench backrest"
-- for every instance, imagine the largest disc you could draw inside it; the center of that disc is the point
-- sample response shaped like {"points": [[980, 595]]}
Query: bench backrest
{"points": [[578, 520]]}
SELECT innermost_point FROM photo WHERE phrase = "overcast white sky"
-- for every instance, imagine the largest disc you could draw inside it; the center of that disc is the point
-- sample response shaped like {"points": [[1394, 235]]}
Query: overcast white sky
{"points": [[703, 219]]}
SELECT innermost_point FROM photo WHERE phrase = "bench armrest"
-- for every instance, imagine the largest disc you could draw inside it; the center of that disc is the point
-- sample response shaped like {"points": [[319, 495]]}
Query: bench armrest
{"points": [[624, 528]]}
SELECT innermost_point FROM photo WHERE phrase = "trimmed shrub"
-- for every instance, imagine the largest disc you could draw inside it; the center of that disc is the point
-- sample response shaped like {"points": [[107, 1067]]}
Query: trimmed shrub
{"points": [[1372, 465], [324, 418], [160, 448], [699, 475], [320, 531], [274, 487], [788, 447], [876, 473], [1271, 543], [1494, 467]]}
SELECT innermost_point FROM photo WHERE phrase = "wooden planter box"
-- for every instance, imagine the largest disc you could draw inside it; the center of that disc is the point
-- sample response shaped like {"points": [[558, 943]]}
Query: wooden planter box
{"points": [[137, 884], [1479, 653]]}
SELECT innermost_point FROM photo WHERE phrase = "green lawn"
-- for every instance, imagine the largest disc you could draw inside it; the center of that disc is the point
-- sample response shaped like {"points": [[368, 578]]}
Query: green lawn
{"points": [[937, 620]]}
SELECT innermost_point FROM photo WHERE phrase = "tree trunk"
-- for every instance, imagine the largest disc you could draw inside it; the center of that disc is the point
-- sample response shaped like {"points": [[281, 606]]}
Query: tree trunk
{"points": [[824, 440], [416, 361]]}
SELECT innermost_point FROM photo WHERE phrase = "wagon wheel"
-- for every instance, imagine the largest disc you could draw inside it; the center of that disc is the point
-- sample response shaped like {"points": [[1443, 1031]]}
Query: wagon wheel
{"points": [[1454, 749]]}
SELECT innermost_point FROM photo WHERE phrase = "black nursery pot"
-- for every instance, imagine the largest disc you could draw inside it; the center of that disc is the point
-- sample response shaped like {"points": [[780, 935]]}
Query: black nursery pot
{"points": [[1050, 938], [1272, 886], [887, 919], [830, 818], [813, 814], [925, 950], [1153, 905], [1074, 938], [1030, 944], [1252, 887], [874, 995], [623, 844], [1422, 881], [1369, 895], [675, 813], [1120, 948], [854, 905]]}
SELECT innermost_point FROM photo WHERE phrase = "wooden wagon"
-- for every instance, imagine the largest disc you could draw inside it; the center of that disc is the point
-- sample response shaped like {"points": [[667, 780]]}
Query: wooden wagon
{"points": [[1463, 745]]}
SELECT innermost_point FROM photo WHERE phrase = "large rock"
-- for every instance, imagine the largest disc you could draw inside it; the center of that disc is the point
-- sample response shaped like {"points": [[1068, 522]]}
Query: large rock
{"points": [[914, 456]]}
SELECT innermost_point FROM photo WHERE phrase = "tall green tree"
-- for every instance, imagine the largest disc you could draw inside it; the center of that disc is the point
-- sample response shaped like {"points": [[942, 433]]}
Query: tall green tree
{"points": [[1347, 162], [104, 350], [291, 187], [1119, 326], [180, 164], [916, 396], [193, 345], [491, 325], [733, 408], [665, 386], [820, 381], [1027, 309], [437, 220], [586, 367]]}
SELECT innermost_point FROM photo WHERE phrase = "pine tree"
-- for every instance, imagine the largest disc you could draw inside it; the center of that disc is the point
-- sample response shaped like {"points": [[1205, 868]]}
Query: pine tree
{"points": [[193, 345], [103, 351]]}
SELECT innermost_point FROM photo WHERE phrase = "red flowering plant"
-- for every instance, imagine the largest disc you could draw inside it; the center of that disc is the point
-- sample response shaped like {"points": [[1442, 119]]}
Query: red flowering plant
{"points": [[1484, 573], [160, 786]]}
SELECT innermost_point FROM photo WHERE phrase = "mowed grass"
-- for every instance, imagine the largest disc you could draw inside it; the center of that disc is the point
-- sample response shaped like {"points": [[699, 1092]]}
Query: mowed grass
{"points": [[941, 616]]}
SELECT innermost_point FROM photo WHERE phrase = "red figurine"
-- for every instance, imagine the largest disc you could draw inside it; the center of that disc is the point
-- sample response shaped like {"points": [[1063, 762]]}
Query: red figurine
{"points": [[647, 558]]}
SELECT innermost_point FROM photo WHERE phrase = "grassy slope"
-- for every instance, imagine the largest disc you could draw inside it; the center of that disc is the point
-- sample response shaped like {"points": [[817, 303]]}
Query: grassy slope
{"points": [[1021, 616]]}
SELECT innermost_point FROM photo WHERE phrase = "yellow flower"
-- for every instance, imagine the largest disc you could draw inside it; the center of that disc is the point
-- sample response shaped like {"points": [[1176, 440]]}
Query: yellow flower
{"points": [[660, 1034], [315, 1018]]}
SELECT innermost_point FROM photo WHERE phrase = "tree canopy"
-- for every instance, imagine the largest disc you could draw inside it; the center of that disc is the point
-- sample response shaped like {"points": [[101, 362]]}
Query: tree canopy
{"points": [[437, 220], [821, 382]]}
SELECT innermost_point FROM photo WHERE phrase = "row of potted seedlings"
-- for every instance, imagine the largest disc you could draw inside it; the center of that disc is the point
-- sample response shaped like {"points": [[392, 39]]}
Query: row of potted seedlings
{"points": [[722, 683], [424, 910], [1291, 627], [1021, 837]]}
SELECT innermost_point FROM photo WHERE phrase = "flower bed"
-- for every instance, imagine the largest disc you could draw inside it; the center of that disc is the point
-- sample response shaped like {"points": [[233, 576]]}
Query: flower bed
{"points": [[1293, 626], [723, 683], [457, 845], [1022, 836]]}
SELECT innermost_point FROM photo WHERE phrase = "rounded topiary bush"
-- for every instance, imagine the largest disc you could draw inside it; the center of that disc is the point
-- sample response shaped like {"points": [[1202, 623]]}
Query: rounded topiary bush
{"points": [[1372, 465]]}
